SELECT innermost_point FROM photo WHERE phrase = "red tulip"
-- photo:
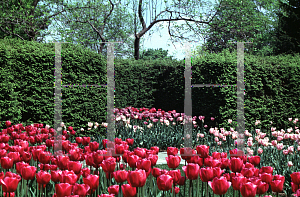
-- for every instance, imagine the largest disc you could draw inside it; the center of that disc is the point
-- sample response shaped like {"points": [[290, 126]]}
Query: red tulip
{"points": [[109, 164], [223, 155], [137, 178], [86, 140], [247, 172], [262, 187], [9, 184], [62, 162], [118, 140], [85, 172], [227, 176], [219, 185], [191, 171], [279, 177], [155, 148], [218, 172], [216, 155], [266, 169], [74, 154], [294, 187], [277, 185], [120, 176], [94, 146], [119, 148], [236, 164], [75, 166], [248, 189], [5, 138], [113, 189], [128, 190], [55, 175], [20, 165], [298, 193], [255, 160], [26, 156], [175, 174], [164, 182], [6, 163], [156, 172], [173, 161], [129, 141], [225, 163], [3, 152], [132, 159], [266, 177], [237, 181], [78, 140], [202, 150], [92, 181], [144, 164], [177, 189], [104, 143], [172, 151], [63, 189], [193, 158], [141, 152], [7, 123], [43, 178], [206, 174], [295, 176], [181, 180], [153, 159], [28, 172], [68, 177], [80, 189], [44, 157]]}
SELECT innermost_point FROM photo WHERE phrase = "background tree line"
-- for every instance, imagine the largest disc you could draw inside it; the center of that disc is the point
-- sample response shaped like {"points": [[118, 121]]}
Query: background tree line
{"points": [[272, 25]]}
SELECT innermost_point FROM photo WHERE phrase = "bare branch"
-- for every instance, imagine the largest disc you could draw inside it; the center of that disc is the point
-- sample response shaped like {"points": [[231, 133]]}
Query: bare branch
{"points": [[11, 33], [106, 17], [140, 14]]}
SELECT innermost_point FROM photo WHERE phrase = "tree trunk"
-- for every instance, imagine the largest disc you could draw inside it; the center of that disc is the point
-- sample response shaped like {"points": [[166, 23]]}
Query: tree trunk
{"points": [[137, 47], [101, 48]]}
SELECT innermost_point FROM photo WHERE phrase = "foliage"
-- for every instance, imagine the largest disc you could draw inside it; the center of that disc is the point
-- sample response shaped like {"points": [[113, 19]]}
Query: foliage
{"points": [[239, 21], [24, 19], [28, 67], [288, 31], [152, 54], [100, 21]]}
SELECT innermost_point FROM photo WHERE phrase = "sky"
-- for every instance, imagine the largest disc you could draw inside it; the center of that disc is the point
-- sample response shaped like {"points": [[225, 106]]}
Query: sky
{"points": [[159, 39]]}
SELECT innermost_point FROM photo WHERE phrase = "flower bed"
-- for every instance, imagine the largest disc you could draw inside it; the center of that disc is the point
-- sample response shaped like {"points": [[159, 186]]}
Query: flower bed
{"points": [[30, 167]]}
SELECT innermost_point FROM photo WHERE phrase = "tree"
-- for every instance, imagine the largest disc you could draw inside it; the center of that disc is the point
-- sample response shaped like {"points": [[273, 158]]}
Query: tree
{"points": [[24, 20], [102, 21], [240, 21], [288, 30], [152, 54], [187, 8]]}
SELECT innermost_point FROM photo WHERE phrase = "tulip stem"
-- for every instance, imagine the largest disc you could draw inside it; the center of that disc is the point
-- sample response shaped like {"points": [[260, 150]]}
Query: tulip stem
{"points": [[184, 177], [191, 185], [27, 188], [207, 189], [173, 190], [202, 189], [37, 189]]}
